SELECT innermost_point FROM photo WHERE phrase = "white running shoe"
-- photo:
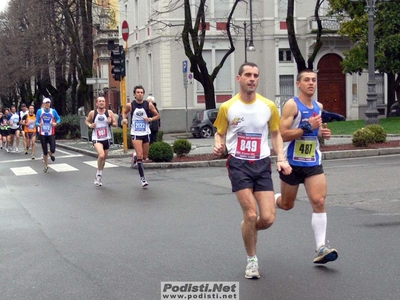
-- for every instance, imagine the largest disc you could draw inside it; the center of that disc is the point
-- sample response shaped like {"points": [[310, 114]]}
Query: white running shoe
{"points": [[252, 270], [144, 183], [97, 181]]}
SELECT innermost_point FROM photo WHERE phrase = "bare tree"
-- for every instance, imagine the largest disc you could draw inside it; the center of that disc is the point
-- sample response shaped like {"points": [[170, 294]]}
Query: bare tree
{"points": [[294, 47], [51, 43], [193, 37], [194, 43]]}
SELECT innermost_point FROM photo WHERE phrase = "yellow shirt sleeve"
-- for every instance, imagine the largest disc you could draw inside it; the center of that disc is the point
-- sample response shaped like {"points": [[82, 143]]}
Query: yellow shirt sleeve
{"points": [[221, 122]]}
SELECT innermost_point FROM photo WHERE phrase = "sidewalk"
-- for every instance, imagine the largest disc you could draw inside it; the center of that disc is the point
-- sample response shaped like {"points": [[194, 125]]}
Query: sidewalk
{"points": [[205, 146]]}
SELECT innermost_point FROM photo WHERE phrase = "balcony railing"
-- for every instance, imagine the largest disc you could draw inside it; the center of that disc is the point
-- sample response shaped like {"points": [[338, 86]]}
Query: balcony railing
{"points": [[103, 36], [329, 24]]}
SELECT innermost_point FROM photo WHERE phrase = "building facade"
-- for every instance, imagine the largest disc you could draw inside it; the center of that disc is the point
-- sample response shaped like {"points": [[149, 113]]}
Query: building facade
{"points": [[156, 57]]}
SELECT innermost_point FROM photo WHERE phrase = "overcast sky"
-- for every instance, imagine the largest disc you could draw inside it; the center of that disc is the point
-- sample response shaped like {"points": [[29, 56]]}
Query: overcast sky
{"points": [[3, 4]]}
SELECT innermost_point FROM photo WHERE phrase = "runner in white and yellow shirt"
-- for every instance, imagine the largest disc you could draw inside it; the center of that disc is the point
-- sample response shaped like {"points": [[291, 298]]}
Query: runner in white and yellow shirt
{"points": [[243, 124]]}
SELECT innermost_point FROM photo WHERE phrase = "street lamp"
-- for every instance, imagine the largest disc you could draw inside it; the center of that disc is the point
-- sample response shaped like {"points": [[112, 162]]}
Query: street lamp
{"points": [[371, 113], [251, 44]]}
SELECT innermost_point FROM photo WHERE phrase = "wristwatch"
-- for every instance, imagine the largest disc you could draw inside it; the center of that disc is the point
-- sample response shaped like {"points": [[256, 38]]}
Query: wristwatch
{"points": [[306, 127]]}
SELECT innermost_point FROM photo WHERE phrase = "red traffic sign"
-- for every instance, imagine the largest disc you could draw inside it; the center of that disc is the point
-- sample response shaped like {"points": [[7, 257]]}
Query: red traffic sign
{"points": [[125, 31]]}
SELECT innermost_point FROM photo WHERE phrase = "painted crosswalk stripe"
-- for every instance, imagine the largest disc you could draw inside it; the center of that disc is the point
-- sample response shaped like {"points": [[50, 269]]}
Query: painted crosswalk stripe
{"points": [[21, 171], [62, 167], [93, 164]]}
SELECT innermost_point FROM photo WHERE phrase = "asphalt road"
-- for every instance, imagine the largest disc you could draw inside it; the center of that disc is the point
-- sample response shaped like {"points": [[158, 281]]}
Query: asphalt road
{"points": [[63, 238]]}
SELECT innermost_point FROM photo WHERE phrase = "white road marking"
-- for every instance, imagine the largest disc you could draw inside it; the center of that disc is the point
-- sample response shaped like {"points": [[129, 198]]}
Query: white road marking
{"points": [[93, 164], [21, 171], [37, 158], [62, 167]]}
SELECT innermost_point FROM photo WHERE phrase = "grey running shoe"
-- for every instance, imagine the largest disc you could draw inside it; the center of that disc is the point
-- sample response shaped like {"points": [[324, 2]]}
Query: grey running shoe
{"points": [[46, 169], [32, 156], [252, 270], [144, 183], [325, 254]]}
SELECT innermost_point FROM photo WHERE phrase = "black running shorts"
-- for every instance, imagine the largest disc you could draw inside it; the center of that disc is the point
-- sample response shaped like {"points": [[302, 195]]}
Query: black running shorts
{"points": [[144, 138], [253, 174], [105, 143], [299, 174]]}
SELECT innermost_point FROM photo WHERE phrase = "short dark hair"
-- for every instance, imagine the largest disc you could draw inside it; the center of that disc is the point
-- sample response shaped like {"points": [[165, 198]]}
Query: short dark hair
{"points": [[23, 105], [241, 68], [140, 88], [300, 75]]}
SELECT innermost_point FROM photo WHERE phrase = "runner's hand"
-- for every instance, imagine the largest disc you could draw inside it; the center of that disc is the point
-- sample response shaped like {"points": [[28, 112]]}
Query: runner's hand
{"points": [[284, 167], [219, 150], [325, 131]]}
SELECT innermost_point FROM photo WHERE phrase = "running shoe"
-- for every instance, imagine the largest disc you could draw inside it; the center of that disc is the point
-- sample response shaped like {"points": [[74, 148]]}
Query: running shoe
{"points": [[325, 254], [32, 156], [97, 181], [46, 169], [144, 183], [26, 151], [252, 270], [53, 158], [16, 150], [134, 161]]}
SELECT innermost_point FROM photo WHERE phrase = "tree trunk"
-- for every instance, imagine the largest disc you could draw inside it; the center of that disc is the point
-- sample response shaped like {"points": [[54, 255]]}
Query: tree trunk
{"points": [[294, 47]]}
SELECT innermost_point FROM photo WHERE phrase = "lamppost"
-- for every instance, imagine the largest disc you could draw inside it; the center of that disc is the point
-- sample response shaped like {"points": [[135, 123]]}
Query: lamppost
{"points": [[371, 113], [251, 44], [245, 41]]}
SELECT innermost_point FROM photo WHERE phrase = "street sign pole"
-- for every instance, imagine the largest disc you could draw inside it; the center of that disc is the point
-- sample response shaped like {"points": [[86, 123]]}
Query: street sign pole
{"points": [[125, 36], [185, 84]]}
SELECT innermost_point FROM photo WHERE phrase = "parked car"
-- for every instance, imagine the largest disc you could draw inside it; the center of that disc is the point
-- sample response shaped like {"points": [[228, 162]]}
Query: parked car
{"points": [[394, 110], [202, 123], [328, 116]]}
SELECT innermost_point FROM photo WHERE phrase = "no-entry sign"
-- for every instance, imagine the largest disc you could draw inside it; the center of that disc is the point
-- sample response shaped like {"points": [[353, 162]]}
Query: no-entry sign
{"points": [[125, 31]]}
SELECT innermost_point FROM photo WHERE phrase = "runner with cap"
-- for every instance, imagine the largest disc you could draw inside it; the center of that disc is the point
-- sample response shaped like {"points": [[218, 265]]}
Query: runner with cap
{"points": [[47, 119]]}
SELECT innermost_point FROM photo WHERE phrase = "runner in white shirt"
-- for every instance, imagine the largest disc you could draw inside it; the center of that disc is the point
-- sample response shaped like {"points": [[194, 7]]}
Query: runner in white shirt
{"points": [[13, 120], [100, 121]]}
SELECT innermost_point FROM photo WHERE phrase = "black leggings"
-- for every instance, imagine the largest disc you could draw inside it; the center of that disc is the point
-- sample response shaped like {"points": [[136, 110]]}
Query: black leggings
{"points": [[48, 139]]}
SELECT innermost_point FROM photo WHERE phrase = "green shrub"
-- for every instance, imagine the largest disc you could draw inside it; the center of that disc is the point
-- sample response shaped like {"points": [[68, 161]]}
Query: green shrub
{"points": [[161, 151], [182, 147], [160, 135], [363, 137], [379, 133], [68, 128]]}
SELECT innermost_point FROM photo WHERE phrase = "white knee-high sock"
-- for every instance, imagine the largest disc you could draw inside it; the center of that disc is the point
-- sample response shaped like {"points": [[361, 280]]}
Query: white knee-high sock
{"points": [[318, 223]]}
